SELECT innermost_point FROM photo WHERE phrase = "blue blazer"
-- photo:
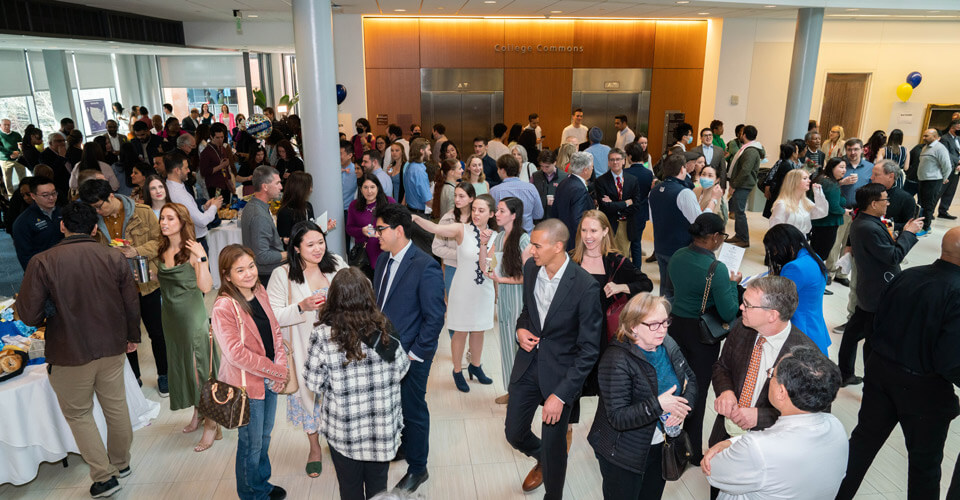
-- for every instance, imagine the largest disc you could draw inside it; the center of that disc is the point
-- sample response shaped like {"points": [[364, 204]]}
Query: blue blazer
{"points": [[805, 273], [570, 201], [415, 304]]}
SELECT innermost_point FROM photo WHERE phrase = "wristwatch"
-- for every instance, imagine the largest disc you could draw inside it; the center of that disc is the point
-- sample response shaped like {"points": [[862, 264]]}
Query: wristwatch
{"points": [[203, 259]]}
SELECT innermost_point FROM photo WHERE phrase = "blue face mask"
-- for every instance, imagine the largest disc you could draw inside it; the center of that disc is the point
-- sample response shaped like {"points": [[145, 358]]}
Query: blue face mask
{"points": [[689, 139], [706, 183]]}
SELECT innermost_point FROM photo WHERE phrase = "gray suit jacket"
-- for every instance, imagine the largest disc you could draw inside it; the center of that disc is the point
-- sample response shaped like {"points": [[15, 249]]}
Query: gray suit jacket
{"points": [[717, 162]]}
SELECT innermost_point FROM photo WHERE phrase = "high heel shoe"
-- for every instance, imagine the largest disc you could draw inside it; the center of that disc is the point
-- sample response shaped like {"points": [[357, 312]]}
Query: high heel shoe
{"points": [[477, 371], [460, 382]]}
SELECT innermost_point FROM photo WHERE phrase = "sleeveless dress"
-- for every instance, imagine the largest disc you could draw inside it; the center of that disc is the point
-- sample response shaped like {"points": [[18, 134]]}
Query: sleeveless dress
{"points": [[509, 303], [185, 330], [480, 188], [470, 306]]}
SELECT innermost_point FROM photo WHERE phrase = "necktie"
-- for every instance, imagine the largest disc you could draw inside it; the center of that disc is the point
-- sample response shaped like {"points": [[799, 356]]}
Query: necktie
{"points": [[382, 291], [620, 187], [750, 382]]}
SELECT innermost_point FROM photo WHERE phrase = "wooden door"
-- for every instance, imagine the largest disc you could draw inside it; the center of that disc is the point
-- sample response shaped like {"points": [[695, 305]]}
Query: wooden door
{"points": [[844, 97]]}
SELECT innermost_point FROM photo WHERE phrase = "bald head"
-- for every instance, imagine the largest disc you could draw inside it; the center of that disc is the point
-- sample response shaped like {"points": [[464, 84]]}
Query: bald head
{"points": [[950, 246], [930, 136]]}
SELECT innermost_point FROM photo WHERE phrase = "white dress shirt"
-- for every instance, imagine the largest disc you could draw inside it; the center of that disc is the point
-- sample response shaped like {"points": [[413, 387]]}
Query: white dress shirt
{"points": [[179, 194], [546, 288], [768, 359], [624, 137], [800, 217], [707, 152], [800, 457], [394, 263]]}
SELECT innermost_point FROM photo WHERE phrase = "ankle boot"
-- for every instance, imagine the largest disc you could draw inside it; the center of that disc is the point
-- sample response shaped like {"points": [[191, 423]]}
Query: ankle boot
{"points": [[477, 371], [459, 381]]}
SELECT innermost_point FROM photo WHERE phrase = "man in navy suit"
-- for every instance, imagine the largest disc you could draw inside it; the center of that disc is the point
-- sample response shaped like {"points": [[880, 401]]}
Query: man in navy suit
{"points": [[559, 334], [618, 196], [572, 198], [409, 288]]}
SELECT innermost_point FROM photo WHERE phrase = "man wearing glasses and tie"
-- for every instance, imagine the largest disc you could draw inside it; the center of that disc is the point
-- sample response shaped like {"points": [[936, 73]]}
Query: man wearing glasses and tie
{"points": [[754, 345]]}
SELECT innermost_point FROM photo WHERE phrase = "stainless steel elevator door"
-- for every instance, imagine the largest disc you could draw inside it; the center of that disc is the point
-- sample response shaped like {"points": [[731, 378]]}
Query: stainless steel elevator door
{"points": [[600, 108], [465, 115]]}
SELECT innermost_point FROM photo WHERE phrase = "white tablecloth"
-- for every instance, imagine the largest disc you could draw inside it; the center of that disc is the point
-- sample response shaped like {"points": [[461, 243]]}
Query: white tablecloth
{"points": [[33, 429], [227, 233]]}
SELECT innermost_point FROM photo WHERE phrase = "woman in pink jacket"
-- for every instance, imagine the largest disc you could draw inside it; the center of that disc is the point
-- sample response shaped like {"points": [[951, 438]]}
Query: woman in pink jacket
{"points": [[253, 357]]}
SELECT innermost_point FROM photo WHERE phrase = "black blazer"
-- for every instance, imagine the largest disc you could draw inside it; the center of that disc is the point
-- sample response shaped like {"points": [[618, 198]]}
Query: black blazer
{"points": [[189, 124], [606, 185], [570, 201], [730, 370], [952, 150], [568, 346]]}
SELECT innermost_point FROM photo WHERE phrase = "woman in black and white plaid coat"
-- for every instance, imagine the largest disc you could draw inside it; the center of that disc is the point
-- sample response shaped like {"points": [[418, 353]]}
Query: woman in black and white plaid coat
{"points": [[355, 365]]}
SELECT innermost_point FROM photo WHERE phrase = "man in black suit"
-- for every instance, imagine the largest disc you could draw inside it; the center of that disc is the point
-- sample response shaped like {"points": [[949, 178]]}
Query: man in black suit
{"points": [[573, 198], [558, 331], [409, 288], [191, 122], [618, 196], [950, 139], [146, 143]]}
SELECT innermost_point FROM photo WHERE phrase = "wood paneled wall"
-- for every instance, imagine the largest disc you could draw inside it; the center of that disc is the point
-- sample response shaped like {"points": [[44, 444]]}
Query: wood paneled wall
{"points": [[396, 48]]}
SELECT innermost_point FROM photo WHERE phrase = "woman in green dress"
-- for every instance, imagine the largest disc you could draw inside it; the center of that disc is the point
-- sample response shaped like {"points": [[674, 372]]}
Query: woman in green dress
{"points": [[184, 277], [510, 247]]}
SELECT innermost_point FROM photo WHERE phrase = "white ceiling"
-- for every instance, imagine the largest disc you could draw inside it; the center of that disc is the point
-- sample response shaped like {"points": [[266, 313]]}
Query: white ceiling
{"points": [[280, 10]]}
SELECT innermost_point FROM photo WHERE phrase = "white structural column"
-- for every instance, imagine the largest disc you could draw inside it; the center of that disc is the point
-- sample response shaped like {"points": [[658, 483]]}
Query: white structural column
{"points": [[58, 79], [803, 70], [313, 40]]}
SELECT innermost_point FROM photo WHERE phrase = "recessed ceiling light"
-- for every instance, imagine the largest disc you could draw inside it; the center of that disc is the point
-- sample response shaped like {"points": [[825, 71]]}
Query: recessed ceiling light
{"points": [[769, 6], [851, 10], [556, 12], [252, 15], [703, 13], [489, 1], [683, 1], [399, 10]]}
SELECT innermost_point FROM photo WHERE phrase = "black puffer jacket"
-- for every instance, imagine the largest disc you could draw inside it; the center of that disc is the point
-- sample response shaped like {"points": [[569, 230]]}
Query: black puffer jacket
{"points": [[629, 410]]}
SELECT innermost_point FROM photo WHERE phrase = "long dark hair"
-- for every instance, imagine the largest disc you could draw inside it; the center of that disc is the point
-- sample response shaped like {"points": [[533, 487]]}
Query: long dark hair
{"points": [[252, 162], [875, 143], [361, 204], [91, 157], [295, 194], [203, 133], [512, 264], [328, 263], [787, 150], [515, 130], [783, 243], [826, 173], [895, 140], [352, 314], [440, 181], [148, 199], [471, 192], [228, 257]]}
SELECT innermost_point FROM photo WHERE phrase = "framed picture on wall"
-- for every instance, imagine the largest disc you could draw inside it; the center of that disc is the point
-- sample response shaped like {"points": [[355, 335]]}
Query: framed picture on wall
{"points": [[939, 116]]}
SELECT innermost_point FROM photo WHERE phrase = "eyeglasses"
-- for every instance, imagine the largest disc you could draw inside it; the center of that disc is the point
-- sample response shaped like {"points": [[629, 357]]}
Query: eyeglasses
{"points": [[381, 229], [657, 325], [772, 372], [51, 194], [98, 205], [746, 305]]}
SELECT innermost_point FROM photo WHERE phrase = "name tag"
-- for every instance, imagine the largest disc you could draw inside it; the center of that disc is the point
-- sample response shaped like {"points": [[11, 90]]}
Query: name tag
{"points": [[41, 224]]}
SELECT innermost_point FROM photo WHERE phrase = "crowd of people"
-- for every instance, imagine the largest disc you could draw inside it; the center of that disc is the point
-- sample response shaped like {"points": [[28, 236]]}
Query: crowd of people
{"points": [[544, 243]]}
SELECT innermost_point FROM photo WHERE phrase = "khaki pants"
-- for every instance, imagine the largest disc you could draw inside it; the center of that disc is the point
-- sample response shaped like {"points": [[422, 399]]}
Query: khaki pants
{"points": [[838, 245], [75, 387], [9, 167], [620, 239]]}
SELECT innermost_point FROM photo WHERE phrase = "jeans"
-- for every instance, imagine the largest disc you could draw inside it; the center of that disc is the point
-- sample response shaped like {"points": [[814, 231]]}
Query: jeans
{"points": [[622, 484], [359, 480], [415, 437], [253, 462], [740, 229], [636, 252], [666, 286]]}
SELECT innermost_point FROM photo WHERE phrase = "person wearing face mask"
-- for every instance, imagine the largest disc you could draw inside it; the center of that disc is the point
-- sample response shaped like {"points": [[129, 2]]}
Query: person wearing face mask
{"points": [[709, 177], [683, 136], [673, 207]]}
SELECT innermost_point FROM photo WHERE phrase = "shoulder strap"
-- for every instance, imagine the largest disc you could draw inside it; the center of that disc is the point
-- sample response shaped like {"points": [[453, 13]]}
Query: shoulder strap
{"points": [[706, 289], [614, 273]]}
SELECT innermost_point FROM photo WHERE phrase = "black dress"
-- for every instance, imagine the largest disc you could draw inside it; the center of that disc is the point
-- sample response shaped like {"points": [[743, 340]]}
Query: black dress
{"points": [[287, 217]]}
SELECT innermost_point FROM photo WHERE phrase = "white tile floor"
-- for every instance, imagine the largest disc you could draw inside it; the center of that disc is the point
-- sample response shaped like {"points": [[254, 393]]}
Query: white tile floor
{"points": [[469, 457]]}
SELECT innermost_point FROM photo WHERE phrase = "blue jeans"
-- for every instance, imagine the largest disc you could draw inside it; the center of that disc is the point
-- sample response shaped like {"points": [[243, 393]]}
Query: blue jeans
{"points": [[415, 437], [740, 229], [253, 463], [666, 286]]}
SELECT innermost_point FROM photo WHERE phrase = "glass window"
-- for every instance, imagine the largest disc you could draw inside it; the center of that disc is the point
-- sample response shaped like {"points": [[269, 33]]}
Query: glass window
{"points": [[48, 122], [17, 110], [185, 99]]}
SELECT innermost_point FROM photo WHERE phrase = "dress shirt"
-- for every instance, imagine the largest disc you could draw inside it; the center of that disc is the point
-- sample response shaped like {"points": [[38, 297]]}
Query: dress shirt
{"points": [[546, 288], [707, 152], [114, 142], [802, 457], [863, 170], [394, 264], [416, 186], [385, 181], [800, 217], [526, 192], [624, 137], [570, 131], [768, 358], [178, 194], [349, 181], [600, 153], [496, 149]]}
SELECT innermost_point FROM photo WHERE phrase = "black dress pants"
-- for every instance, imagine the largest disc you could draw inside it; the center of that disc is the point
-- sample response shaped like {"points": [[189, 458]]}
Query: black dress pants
{"points": [[359, 480], [551, 449], [929, 194], [859, 327], [922, 405], [946, 196], [622, 484], [822, 239], [150, 315], [686, 332]]}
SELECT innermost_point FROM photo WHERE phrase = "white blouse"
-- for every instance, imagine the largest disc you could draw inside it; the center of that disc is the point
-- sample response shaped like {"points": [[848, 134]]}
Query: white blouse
{"points": [[800, 217]]}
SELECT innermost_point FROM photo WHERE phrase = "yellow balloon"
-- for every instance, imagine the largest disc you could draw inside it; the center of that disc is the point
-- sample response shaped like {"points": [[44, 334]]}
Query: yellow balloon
{"points": [[904, 91]]}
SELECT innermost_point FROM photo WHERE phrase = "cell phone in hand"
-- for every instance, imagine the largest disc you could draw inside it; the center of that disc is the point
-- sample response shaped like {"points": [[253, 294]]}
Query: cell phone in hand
{"points": [[917, 212]]}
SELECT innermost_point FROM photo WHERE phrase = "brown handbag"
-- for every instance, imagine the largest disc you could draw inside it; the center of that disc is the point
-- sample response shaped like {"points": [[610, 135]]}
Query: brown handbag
{"points": [[221, 402]]}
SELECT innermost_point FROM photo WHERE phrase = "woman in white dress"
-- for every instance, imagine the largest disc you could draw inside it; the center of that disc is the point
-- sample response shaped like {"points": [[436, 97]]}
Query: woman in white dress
{"points": [[297, 291], [470, 305], [793, 207]]}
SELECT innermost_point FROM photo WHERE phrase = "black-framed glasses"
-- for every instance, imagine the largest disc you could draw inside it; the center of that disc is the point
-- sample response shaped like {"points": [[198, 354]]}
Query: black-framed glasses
{"points": [[747, 305], [657, 325], [772, 373], [381, 229], [51, 194]]}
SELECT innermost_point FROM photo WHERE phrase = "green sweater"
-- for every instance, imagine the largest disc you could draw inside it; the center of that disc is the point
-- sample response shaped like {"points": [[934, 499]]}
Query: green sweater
{"points": [[688, 272], [8, 144], [831, 191]]}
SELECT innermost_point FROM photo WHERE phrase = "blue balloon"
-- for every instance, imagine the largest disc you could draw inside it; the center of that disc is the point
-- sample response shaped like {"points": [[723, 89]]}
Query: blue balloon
{"points": [[341, 93], [914, 79]]}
